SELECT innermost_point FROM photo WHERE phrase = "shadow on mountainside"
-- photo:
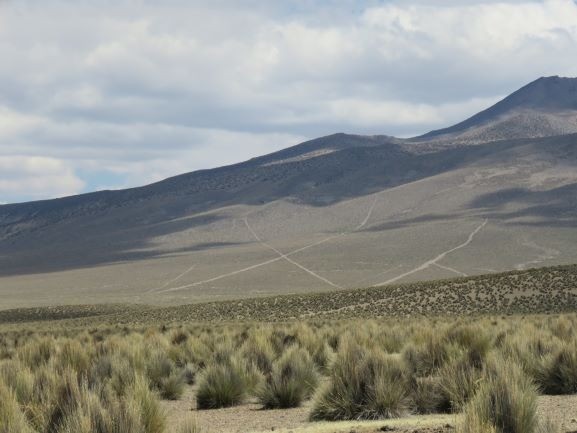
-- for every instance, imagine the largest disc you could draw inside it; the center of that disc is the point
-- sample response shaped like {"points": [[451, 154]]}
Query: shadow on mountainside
{"points": [[117, 226], [555, 207]]}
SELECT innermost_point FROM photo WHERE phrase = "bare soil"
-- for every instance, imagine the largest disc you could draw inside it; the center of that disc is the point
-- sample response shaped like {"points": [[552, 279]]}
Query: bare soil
{"points": [[250, 418]]}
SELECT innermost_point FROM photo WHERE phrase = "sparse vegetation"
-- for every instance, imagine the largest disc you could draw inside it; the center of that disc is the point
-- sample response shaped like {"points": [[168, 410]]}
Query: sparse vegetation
{"points": [[547, 290], [106, 378]]}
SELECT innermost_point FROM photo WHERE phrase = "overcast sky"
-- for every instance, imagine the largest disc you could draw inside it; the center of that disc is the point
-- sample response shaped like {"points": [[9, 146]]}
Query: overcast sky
{"points": [[98, 94]]}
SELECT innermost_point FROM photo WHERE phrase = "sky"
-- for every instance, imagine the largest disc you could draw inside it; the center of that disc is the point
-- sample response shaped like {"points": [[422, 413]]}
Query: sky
{"points": [[103, 94]]}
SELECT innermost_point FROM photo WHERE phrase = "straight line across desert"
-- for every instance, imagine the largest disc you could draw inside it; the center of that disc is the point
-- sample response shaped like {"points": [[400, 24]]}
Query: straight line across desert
{"points": [[356, 282]]}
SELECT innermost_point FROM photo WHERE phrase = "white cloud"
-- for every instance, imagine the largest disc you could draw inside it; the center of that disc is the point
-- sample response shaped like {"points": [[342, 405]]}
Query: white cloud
{"points": [[211, 148], [145, 89], [13, 123], [36, 177]]}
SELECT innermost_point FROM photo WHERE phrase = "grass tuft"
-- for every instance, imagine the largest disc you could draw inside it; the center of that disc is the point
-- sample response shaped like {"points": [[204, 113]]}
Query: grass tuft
{"points": [[364, 384], [505, 403], [292, 380], [224, 384]]}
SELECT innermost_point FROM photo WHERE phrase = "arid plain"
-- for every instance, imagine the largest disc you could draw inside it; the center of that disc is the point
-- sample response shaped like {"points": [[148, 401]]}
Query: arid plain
{"points": [[347, 284]]}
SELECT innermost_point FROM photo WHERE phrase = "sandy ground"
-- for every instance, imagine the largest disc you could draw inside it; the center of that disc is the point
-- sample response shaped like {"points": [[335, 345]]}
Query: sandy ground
{"points": [[249, 418], [562, 409]]}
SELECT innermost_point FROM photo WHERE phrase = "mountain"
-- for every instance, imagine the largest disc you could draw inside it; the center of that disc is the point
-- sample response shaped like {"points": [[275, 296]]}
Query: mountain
{"points": [[493, 193], [544, 108]]}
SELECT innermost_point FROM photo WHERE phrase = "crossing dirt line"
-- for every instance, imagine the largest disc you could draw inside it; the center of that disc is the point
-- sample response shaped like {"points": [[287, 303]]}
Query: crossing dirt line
{"points": [[437, 258], [282, 256], [418, 268]]}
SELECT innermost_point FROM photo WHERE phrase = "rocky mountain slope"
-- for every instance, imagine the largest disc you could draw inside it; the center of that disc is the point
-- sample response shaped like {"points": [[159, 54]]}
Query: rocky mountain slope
{"points": [[544, 108], [493, 193]]}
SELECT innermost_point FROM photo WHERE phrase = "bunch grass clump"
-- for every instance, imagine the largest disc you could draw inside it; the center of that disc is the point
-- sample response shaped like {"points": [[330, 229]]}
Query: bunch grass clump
{"points": [[428, 355], [505, 403], [224, 384], [292, 380], [458, 382], [559, 374], [364, 384], [12, 419]]}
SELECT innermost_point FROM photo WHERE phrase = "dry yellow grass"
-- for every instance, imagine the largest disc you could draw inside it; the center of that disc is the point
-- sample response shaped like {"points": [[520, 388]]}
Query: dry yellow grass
{"points": [[98, 368]]}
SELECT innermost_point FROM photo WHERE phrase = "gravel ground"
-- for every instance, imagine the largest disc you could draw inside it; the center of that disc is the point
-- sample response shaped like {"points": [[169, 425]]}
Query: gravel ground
{"points": [[562, 409], [249, 418]]}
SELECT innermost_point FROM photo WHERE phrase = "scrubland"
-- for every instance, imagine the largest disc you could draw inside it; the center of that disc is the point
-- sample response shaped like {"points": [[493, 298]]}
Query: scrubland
{"points": [[548, 290], [105, 378]]}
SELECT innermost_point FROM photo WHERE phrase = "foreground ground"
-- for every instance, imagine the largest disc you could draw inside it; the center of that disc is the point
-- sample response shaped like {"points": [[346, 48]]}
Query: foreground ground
{"points": [[562, 410], [419, 358], [417, 375], [251, 418]]}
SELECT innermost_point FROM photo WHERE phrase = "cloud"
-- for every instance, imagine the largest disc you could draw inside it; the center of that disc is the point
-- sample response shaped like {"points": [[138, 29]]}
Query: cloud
{"points": [[130, 91], [36, 177]]}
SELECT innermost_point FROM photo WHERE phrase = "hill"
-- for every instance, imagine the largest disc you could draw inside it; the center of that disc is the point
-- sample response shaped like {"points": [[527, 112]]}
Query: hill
{"points": [[341, 211], [546, 107], [535, 291]]}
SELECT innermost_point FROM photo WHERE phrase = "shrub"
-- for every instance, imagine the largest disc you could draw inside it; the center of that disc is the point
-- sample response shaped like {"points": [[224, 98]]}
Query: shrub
{"points": [[505, 403], [37, 352], [158, 368], [224, 384], [153, 418], [427, 396], [533, 351], [258, 350], [123, 376], [172, 387], [73, 356], [560, 373], [293, 379], [458, 383], [12, 420], [365, 384], [97, 413], [67, 399], [39, 407], [19, 379], [428, 356]]}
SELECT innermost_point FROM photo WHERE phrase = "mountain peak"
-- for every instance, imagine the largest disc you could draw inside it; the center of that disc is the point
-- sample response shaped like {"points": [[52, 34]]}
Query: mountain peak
{"points": [[546, 93], [545, 107]]}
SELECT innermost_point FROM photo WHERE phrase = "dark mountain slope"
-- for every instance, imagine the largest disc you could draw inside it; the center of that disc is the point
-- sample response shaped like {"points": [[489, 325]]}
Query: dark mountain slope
{"points": [[271, 176], [544, 108]]}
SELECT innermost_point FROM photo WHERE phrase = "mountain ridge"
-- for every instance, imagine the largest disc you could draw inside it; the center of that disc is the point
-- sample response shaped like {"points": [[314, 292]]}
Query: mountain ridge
{"points": [[349, 210], [545, 95]]}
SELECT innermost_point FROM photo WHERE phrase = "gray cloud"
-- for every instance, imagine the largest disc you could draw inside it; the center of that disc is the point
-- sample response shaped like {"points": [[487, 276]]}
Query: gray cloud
{"points": [[139, 90]]}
